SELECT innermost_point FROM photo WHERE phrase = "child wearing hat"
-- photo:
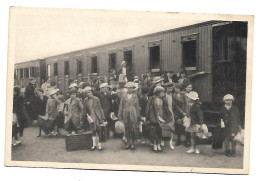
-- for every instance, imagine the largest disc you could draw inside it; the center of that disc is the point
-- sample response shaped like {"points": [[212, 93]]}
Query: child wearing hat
{"points": [[72, 112], [129, 114], [93, 113], [230, 117], [196, 117]]}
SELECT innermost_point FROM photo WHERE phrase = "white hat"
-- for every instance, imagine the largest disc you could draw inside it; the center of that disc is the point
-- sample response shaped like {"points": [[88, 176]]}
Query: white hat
{"points": [[157, 79], [130, 84], [123, 63], [53, 91], [228, 96], [193, 95], [103, 85], [158, 89], [87, 88], [73, 85]]}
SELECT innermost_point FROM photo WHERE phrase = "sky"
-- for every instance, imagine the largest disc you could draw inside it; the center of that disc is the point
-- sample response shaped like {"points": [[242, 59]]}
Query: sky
{"points": [[41, 33]]}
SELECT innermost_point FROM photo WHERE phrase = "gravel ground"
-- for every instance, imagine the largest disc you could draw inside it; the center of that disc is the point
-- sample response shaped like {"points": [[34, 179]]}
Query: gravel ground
{"points": [[52, 149]]}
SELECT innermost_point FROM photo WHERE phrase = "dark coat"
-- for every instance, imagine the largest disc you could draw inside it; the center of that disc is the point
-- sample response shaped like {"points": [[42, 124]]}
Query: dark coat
{"points": [[178, 109], [143, 103], [231, 120], [106, 103], [18, 109], [196, 114], [40, 105]]}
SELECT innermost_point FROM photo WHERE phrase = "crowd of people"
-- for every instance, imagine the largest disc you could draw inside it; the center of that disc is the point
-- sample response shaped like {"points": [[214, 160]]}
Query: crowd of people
{"points": [[126, 103]]}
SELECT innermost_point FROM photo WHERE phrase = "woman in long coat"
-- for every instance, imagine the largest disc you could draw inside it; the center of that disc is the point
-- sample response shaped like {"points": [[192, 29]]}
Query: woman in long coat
{"points": [[93, 113], [129, 113], [230, 116]]}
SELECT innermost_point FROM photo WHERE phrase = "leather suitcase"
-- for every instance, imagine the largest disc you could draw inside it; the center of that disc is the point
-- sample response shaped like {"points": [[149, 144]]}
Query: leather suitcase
{"points": [[79, 141], [103, 132]]}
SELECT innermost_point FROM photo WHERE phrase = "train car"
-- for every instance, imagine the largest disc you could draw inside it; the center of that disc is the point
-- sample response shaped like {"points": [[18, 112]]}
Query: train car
{"points": [[25, 70], [214, 51]]}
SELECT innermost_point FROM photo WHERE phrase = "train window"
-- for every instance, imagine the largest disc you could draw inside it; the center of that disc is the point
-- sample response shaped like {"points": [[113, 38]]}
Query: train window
{"points": [[66, 68], [55, 69], [21, 73], [189, 53], [155, 57], [32, 72], [112, 61], [79, 66], [26, 73], [94, 68]]}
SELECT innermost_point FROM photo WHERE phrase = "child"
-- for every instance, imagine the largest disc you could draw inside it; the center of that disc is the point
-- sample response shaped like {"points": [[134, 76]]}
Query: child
{"points": [[196, 117], [93, 112], [230, 116]]}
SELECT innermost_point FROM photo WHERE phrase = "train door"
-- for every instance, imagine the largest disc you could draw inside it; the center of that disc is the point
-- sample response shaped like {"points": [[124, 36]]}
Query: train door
{"points": [[129, 63], [154, 56], [229, 62]]}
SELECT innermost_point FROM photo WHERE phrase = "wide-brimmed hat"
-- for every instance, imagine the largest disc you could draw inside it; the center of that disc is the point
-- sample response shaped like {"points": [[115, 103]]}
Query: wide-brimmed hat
{"points": [[87, 88], [112, 78], [130, 84], [168, 84], [53, 91], [158, 89], [193, 95], [228, 96], [103, 85], [157, 79], [32, 80], [73, 85], [123, 62]]}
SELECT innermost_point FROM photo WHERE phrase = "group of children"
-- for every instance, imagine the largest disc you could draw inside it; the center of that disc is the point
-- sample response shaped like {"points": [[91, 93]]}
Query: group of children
{"points": [[156, 102]]}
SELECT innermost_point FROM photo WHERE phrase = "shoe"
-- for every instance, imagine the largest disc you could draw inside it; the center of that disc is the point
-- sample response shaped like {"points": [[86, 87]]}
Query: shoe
{"points": [[159, 148], [132, 147], [162, 143], [93, 148], [127, 147], [171, 147], [100, 148], [197, 151], [17, 143], [191, 151], [155, 149], [38, 135], [178, 143], [227, 153], [187, 144]]}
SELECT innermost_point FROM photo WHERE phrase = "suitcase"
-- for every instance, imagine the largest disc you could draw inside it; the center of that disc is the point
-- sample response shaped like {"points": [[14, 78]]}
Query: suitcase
{"points": [[79, 141], [137, 132], [166, 131], [103, 132]]}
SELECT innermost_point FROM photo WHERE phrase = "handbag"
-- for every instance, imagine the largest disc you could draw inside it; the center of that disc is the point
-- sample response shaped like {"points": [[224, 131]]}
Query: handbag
{"points": [[240, 137], [186, 122]]}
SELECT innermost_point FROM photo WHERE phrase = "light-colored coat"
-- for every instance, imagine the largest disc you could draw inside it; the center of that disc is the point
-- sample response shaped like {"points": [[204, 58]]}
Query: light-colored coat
{"points": [[129, 110]]}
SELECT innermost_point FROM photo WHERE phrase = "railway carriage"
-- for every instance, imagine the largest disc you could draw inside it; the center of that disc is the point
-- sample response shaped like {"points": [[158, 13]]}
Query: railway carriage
{"points": [[214, 51]]}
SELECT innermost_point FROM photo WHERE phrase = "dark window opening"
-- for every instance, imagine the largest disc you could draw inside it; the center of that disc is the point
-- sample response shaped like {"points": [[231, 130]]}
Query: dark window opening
{"points": [[94, 65], [26, 72], [128, 58], [21, 73], [155, 57], [189, 53], [55, 69], [79, 66], [66, 68], [112, 61], [32, 72]]}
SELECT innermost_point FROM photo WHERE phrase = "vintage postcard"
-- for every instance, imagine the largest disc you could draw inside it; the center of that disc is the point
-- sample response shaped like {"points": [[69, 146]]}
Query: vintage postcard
{"points": [[129, 90]]}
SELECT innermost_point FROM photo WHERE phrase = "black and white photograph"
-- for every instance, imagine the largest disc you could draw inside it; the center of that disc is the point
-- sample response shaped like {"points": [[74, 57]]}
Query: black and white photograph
{"points": [[129, 90]]}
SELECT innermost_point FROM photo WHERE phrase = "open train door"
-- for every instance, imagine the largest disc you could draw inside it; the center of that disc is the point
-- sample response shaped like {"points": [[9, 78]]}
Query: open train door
{"points": [[229, 62]]}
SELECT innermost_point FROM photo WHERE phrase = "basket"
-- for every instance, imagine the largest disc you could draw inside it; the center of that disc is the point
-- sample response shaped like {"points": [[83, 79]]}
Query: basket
{"points": [[79, 141]]}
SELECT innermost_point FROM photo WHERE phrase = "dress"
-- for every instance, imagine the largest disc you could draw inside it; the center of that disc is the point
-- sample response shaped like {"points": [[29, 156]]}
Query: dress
{"points": [[129, 112], [92, 107]]}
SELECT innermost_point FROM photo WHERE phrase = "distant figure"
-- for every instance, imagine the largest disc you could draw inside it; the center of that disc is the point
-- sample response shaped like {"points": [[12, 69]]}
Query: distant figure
{"points": [[29, 99]]}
